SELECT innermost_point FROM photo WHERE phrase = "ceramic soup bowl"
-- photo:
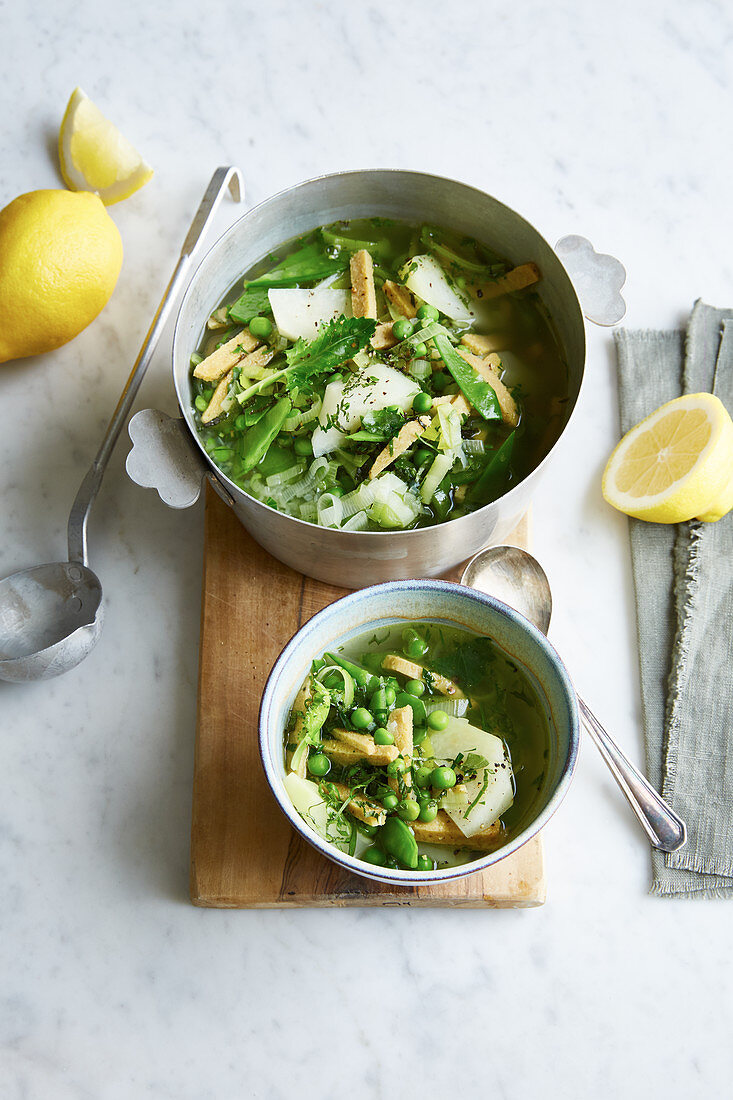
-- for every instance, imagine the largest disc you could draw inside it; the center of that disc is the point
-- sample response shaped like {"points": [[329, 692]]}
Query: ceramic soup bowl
{"points": [[407, 601]]}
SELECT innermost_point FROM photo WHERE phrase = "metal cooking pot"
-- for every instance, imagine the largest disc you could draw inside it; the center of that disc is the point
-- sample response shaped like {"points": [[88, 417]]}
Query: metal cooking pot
{"points": [[168, 454]]}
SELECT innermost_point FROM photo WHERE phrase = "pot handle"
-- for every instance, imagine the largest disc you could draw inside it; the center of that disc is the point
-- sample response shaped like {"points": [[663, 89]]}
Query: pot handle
{"points": [[597, 279], [162, 458]]}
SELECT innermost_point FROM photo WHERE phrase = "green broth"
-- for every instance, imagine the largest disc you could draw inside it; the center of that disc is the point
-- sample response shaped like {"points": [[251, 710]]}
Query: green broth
{"points": [[491, 455], [503, 700]]}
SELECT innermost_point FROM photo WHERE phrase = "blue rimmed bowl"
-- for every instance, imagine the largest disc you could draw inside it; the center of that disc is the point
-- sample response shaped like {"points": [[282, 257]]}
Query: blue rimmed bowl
{"points": [[411, 601]]}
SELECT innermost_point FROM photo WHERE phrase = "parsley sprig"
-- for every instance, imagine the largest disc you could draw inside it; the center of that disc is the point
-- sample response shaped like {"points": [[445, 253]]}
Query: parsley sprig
{"points": [[339, 340]]}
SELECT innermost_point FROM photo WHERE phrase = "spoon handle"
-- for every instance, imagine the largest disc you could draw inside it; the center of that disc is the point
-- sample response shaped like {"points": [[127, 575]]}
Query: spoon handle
{"points": [[222, 179], [664, 828]]}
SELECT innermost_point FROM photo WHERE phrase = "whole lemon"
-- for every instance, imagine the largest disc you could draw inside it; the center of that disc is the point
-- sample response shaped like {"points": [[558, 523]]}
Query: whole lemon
{"points": [[60, 255]]}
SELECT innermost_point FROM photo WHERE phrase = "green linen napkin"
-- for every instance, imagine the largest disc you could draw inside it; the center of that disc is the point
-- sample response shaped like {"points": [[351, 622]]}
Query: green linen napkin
{"points": [[683, 580]]}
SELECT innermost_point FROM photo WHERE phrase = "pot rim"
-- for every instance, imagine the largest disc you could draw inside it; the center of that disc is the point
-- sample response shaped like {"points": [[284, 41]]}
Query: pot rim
{"points": [[187, 414], [383, 874]]}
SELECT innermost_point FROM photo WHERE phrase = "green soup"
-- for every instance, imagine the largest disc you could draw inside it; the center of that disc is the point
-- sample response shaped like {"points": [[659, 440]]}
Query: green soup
{"points": [[374, 375], [417, 747]]}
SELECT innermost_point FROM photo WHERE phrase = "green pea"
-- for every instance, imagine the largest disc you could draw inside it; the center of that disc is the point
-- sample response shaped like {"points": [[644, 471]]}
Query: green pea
{"points": [[208, 393], [418, 707], [319, 764], [437, 720], [361, 718], [241, 422], [398, 841], [422, 776], [418, 735], [336, 491], [383, 736], [461, 282], [378, 700], [408, 809], [261, 327], [427, 313], [440, 380], [201, 403], [425, 863], [443, 779], [375, 856], [402, 329], [396, 767], [420, 350], [367, 830], [415, 687], [413, 645], [392, 863], [423, 455], [303, 445], [429, 811], [390, 801], [422, 402], [390, 695]]}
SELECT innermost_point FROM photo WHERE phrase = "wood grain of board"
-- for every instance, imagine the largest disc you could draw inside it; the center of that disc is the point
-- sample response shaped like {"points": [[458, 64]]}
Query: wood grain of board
{"points": [[244, 853]]}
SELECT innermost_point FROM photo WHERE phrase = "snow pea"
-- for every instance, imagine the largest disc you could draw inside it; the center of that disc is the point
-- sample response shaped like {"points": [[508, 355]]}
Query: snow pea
{"points": [[479, 393], [491, 479], [362, 676], [398, 841], [418, 707], [257, 440]]}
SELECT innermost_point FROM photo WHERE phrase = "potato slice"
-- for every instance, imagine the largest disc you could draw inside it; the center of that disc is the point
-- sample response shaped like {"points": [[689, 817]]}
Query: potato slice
{"points": [[413, 671], [363, 294], [516, 279], [444, 831], [361, 806], [214, 366], [404, 439], [488, 369], [399, 724], [362, 744], [400, 298], [383, 337], [214, 407]]}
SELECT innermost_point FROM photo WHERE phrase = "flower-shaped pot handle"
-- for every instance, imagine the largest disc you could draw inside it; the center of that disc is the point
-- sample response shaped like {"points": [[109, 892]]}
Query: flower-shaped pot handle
{"points": [[597, 279], [163, 458]]}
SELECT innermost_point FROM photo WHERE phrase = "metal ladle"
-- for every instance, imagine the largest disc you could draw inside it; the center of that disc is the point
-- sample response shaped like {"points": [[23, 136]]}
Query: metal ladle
{"points": [[517, 579], [51, 615]]}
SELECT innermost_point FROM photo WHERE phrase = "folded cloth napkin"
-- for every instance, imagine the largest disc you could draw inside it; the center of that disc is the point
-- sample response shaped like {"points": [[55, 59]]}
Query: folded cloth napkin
{"points": [[683, 579]]}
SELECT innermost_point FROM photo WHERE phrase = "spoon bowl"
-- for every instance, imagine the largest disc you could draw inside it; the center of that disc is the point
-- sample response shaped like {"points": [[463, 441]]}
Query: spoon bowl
{"points": [[514, 577], [50, 617], [517, 579]]}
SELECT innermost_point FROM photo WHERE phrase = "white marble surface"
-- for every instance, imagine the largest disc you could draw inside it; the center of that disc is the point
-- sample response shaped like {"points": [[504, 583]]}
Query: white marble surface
{"points": [[612, 121]]}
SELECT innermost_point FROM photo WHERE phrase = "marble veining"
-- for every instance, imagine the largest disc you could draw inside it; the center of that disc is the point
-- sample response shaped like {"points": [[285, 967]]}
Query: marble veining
{"points": [[610, 123]]}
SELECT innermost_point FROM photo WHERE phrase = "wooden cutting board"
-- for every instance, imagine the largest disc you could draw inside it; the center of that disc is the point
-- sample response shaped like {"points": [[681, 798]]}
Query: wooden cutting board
{"points": [[244, 853]]}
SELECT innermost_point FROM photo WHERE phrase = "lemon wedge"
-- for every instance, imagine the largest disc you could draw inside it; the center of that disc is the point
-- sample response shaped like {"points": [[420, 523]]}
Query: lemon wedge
{"points": [[675, 465], [95, 156]]}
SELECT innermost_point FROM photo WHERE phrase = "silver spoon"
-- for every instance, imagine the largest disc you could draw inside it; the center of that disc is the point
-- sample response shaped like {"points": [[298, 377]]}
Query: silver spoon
{"points": [[51, 615], [517, 579]]}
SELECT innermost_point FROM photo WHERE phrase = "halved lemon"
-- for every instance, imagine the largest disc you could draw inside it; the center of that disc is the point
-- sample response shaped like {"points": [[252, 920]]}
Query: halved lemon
{"points": [[95, 156], [675, 465]]}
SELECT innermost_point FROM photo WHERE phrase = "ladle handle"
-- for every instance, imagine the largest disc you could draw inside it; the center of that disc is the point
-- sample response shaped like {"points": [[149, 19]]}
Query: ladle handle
{"points": [[223, 178], [664, 828]]}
